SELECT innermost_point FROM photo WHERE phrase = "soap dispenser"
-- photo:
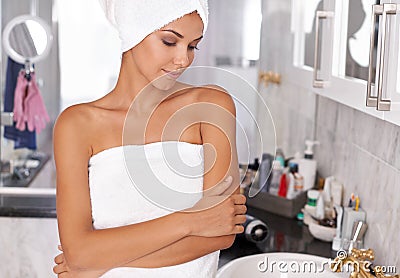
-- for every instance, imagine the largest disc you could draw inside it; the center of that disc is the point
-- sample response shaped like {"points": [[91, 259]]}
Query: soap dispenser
{"points": [[308, 166]]}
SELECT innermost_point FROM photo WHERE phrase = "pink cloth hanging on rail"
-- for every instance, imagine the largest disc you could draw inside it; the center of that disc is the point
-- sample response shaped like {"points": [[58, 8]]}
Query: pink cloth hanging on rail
{"points": [[29, 107]]}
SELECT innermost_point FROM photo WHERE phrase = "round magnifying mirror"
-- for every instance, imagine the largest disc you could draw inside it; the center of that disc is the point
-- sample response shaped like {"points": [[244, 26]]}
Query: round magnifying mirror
{"points": [[27, 38]]}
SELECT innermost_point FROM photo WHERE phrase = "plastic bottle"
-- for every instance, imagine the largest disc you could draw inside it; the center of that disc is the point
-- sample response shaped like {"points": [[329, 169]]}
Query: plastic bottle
{"points": [[264, 172], [283, 185], [337, 192], [308, 166], [276, 174], [298, 178], [254, 170], [295, 185], [297, 157], [280, 157], [320, 208]]}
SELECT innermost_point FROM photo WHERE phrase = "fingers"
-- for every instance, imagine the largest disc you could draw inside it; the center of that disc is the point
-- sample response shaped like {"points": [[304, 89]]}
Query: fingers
{"points": [[238, 199], [240, 209], [59, 259], [238, 229], [240, 219], [60, 268]]}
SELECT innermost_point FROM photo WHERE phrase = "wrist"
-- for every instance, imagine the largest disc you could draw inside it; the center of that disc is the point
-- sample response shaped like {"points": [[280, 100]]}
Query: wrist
{"points": [[185, 222]]}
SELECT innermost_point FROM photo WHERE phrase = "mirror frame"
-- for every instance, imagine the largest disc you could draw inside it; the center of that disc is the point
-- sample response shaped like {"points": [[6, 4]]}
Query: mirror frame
{"points": [[12, 53]]}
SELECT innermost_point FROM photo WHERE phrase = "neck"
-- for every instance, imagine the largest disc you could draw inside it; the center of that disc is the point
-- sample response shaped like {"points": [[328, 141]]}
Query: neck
{"points": [[133, 87], [130, 84]]}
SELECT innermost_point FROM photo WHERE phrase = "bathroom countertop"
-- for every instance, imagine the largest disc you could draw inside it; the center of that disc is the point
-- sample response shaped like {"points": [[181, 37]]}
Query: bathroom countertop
{"points": [[18, 205], [285, 235], [28, 196]]}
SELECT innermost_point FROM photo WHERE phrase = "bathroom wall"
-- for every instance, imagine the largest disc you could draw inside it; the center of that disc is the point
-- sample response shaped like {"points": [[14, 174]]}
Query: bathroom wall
{"points": [[363, 152], [359, 150]]}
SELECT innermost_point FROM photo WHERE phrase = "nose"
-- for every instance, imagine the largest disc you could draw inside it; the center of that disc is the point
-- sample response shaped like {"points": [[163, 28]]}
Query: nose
{"points": [[181, 58]]}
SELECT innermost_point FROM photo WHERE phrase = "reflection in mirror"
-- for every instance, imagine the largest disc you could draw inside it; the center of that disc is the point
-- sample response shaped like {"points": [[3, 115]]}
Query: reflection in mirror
{"points": [[309, 25], [358, 36], [27, 37]]}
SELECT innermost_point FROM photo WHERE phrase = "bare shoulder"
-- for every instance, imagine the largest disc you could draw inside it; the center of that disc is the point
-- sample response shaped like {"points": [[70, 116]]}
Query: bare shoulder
{"points": [[217, 95], [75, 125], [76, 117]]}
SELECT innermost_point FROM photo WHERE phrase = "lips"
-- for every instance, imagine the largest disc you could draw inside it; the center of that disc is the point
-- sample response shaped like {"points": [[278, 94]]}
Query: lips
{"points": [[173, 74]]}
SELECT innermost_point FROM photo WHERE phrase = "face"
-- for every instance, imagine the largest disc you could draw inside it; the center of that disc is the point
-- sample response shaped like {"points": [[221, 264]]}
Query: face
{"points": [[168, 51]]}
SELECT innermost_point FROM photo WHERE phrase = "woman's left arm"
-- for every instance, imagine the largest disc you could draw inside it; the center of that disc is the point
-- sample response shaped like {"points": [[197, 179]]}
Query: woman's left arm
{"points": [[218, 132]]}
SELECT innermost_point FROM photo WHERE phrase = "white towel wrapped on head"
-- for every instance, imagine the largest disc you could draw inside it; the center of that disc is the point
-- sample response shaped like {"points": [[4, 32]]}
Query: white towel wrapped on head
{"points": [[136, 19]]}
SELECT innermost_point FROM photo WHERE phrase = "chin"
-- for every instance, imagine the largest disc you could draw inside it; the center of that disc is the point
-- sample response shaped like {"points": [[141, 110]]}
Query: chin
{"points": [[164, 83]]}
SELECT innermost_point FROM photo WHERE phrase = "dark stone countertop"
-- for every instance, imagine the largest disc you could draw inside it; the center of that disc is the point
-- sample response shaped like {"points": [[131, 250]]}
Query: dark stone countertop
{"points": [[25, 200], [285, 235], [28, 206], [27, 212]]}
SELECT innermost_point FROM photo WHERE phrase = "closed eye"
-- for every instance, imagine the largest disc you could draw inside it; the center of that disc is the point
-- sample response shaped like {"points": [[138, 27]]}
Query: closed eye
{"points": [[191, 47], [168, 43]]}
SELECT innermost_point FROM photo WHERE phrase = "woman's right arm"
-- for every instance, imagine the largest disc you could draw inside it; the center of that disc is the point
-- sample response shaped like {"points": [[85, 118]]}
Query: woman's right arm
{"points": [[88, 249]]}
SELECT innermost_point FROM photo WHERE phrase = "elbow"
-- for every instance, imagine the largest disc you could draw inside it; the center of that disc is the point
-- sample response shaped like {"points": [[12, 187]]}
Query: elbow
{"points": [[76, 257], [227, 241]]}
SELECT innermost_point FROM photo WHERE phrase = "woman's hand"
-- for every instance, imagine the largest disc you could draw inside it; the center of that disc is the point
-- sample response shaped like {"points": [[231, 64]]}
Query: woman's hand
{"points": [[218, 214], [63, 271], [225, 218], [61, 268]]}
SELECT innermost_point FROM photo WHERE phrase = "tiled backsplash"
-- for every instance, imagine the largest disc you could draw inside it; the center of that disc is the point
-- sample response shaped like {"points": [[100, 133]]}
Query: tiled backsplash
{"points": [[361, 151]]}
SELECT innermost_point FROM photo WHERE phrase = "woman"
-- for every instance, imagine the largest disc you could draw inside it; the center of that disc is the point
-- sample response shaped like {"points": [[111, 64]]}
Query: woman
{"points": [[111, 220]]}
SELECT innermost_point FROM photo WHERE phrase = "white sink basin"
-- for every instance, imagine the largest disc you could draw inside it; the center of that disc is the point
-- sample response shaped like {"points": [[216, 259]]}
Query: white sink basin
{"points": [[283, 265]]}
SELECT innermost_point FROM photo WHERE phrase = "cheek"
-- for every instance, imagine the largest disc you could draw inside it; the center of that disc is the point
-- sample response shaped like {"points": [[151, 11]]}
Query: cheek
{"points": [[151, 54], [191, 56]]}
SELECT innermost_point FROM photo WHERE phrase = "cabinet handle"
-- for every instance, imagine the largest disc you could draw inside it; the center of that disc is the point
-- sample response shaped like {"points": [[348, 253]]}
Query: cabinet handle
{"points": [[319, 83], [384, 104], [372, 101]]}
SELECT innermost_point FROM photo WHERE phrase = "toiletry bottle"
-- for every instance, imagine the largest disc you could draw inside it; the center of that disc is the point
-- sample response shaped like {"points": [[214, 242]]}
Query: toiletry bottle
{"points": [[254, 167], [290, 194], [283, 185], [327, 191], [264, 172], [277, 170], [337, 192], [280, 156], [312, 197], [295, 185], [298, 178], [251, 172], [308, 166], [320, 209], [297, 157], [337, 240]]}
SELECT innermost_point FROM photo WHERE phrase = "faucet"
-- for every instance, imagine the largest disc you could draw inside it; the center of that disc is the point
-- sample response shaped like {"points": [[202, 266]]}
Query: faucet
{"points": [[361, 263]]}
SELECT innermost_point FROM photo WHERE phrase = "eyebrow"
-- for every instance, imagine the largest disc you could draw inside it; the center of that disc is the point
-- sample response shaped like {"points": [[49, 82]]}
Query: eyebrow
{"points": [[179, 35]]}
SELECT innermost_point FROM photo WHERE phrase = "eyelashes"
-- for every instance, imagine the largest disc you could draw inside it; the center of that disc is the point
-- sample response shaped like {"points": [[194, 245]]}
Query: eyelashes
{"points": [[167, 43]]}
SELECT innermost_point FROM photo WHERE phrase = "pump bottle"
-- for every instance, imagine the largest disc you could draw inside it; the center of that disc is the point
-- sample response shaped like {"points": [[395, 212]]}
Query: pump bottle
{"points": [[308, 166]]}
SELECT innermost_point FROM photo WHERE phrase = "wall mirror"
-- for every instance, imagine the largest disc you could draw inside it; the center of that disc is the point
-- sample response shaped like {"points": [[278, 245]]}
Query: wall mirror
{"points": [[27, 38]]}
